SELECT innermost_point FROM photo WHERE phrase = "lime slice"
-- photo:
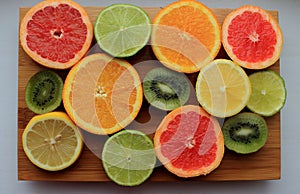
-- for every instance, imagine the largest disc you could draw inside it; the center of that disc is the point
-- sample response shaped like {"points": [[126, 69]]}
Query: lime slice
{"points": [[128, 157], [122, 29], [268, 93], [52, 141]]}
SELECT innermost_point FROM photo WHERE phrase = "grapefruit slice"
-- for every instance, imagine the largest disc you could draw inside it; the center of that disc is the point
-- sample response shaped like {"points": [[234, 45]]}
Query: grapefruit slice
{"points": [[185, 36], [56, 33], [252, 37], [102, 94], [189, 142]]}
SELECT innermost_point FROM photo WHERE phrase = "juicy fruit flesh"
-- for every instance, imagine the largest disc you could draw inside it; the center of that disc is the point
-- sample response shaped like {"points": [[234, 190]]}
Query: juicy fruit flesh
{"points": [[189, 142], [182, 40], [60, 27], [129, 157], [252, 37], [268, 93], [122, 30]]}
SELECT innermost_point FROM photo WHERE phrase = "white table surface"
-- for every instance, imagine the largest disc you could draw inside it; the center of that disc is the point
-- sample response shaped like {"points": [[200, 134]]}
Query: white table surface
{"points": [[289, 14]]}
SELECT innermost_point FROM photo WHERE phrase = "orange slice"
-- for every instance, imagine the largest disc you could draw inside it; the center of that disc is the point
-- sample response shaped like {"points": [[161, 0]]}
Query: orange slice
{"points": [[102, 94], [56, 33], [252, 37], [186, 36]]}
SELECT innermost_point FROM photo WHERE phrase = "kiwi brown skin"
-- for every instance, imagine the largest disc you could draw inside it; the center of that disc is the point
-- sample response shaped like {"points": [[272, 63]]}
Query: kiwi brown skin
{"points": [[43, 92], [245, 133], [166, 89]]}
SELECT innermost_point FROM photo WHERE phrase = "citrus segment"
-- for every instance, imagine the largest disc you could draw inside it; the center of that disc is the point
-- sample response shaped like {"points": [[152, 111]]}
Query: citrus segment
{"points": [[122, 30], [52, 141], [252, 37], [223, 88], [189, 142], [268, 93], [128, 157], [56, 33], [185, 36], [102, 94]]}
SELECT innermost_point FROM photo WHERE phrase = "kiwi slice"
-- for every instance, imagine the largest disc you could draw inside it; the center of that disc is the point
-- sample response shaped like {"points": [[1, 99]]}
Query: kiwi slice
{"points": [[245, 133], [166, 89], [43, 92]]}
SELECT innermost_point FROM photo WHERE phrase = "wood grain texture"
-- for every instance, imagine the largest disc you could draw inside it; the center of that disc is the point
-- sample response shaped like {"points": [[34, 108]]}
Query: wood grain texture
{"points": [[262, 165]]}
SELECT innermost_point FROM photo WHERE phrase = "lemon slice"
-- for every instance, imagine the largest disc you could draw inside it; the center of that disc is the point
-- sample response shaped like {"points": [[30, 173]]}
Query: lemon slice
{"points": [[223, 88], [52, 141]]}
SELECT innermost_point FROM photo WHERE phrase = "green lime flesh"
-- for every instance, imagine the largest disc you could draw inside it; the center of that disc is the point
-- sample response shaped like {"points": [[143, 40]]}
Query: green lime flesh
{"points": [[128, 157], [122, 30], [268, 93]]}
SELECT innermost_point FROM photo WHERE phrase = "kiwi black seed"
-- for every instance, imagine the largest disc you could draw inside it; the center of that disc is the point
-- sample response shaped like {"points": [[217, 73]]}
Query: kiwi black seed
{"points": [[245, 133], [43, 92], [166, 89]]}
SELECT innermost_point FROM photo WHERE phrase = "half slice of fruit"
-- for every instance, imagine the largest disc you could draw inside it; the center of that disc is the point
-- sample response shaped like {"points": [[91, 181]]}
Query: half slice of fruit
{"points": [[52, 141], [128, 157], [122, 30], [268, 93], [56, 33], [223, 88], [189, 142], [102, 94], [252, 37], [186, 36]]}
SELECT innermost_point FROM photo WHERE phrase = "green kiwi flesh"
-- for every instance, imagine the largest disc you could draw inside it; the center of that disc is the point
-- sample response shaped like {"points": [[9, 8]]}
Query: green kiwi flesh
{"points": [[43, 92], [166, 89], [245, 133]]}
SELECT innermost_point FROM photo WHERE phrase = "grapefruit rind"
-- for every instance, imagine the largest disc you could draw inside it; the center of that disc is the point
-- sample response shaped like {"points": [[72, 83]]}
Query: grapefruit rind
{"points": [[68, 95], [46, 62], [276, 27], [168, 164], [165, 60]]}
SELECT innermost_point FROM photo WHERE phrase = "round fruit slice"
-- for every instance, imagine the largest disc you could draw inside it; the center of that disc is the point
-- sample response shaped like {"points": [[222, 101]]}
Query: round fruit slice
{"points": [[43, 92], [166, 89], [268, 93], [102, 94], [122, 29], [128, 157], [252, 37], [52, 141], [56, 33], [185, 36], [245, 133], [189, 142], [223, 88]]}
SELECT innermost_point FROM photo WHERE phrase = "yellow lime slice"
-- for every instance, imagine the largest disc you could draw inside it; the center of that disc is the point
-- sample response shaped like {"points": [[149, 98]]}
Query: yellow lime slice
{"points": [[223, 88], [268, 93], [51, 141]]}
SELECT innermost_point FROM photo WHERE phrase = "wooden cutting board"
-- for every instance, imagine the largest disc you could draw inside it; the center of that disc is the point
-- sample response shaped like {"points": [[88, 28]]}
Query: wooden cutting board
{"points": [[262, 165]]}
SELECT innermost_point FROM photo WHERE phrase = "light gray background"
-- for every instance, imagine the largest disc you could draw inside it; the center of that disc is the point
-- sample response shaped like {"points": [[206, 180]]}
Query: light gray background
{"points": [[290, 130]]}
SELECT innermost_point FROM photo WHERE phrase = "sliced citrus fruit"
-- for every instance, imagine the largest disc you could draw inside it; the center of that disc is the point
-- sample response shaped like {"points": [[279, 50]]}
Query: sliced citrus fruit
{"points": [[185, 36], [223, 88], [56, 33], [268, 93], [102, 94], [252, 37], [52, 141], [122, 29], [128, 157], [189, 142]]}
